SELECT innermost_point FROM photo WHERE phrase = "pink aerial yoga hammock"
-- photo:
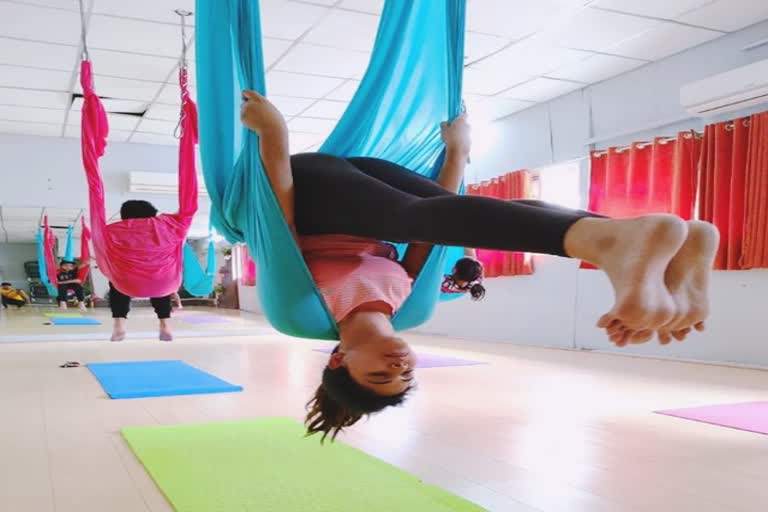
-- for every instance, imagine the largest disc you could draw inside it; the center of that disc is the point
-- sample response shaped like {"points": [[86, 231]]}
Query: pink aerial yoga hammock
{"points": [[141, 257], [49, 244]]}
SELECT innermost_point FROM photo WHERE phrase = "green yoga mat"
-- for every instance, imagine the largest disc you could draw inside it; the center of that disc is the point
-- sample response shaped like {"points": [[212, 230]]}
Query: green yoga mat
{"points": [[63, 315], [268, 465]]}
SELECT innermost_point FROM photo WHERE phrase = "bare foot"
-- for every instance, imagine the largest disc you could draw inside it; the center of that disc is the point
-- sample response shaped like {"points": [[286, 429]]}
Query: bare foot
{"points": [[165, 331], [63, 306], [687, 279], [118, 329], [634, 253], [82, 307]]}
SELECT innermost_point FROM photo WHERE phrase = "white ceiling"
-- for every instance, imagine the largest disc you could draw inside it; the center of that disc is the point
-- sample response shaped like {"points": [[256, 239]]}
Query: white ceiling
{"points": [[518, 53]]}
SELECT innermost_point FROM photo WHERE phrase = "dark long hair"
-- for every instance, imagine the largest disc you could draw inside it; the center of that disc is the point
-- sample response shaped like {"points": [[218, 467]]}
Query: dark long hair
{"points": [[340, 402], [137, 209], [471, 271]]}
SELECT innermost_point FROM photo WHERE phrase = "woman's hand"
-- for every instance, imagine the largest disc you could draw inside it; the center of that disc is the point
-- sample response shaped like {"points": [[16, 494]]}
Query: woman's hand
{"points": [[261, 116], [456, 135]]}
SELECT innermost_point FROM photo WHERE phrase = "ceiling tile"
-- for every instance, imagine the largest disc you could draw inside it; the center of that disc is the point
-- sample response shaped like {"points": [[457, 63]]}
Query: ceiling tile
{"points": [[541, 89], [663, 41], [531, 58], [128, 65], [669, 9], [488, 108], [325, 109], [116, 106], [371, 6], [115, 121], [304, 86], [274, 49], [596, 68], [123, 88], [162, 112], [39, 55], [289, 106], [322, 60], [345, 29], [39, 23], [592, 29], [288, 20], [114, 135], [516, 19], [156, 126], [22, 128], [346, 92], [170, 94], [32, 98], [477, 46], [491, 81], [728, 15], [29, 78], [31, 114], [298, 142], [153, 138], [310, 125], [135, 36], [146, 9]]}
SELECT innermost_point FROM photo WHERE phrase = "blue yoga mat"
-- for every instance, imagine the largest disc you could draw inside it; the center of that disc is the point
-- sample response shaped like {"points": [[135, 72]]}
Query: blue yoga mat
{"points": [[74, 321], [141, 379]]}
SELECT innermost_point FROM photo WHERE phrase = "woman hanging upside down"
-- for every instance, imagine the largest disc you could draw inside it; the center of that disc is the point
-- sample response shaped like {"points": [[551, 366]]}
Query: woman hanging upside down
{"points": [[341, 208]]}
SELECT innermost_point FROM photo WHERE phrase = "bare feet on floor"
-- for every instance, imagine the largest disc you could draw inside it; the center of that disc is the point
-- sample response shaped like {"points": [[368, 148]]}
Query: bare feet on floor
{"points": [[165, 331], [635, 254], [117, 336], [118, 329]]}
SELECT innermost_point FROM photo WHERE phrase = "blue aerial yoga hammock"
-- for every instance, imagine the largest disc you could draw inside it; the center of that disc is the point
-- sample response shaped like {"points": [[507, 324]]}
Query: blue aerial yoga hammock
{"points": [[413, 82], [198, 281], [69, 251], [42, 266]]}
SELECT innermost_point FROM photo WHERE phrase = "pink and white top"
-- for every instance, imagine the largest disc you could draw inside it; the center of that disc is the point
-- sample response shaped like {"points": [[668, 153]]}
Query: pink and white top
{"points": [[351, 271]]}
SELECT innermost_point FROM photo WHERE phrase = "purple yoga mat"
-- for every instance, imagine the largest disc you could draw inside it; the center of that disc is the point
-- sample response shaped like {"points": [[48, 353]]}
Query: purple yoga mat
{"points": [[750, 416], [427, 360], [205, 320]]}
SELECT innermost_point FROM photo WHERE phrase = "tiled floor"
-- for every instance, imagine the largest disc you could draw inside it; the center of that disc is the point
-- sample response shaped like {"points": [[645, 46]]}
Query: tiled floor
{"points": [[535, 430]]}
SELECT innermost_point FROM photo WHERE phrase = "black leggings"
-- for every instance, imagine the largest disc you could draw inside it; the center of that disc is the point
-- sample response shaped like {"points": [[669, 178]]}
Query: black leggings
{"points": [[12, 302], [377, 199], [120, 304], [75, 287]]}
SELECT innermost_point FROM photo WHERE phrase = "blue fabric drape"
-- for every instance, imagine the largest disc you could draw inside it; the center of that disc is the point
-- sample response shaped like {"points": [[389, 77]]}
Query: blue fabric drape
{"points": [[69, 250], [42, 266], [413, 82], [198, 281]]}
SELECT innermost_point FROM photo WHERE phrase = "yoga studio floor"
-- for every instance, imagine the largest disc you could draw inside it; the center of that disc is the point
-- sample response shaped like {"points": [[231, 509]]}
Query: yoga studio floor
{"points": [[532, 430]]}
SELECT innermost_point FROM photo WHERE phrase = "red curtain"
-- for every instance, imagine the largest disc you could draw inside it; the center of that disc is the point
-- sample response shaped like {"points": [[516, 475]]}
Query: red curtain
{"points": [[248, 271], [733, 177], [514, 185], [647, 177], [755, 249]]}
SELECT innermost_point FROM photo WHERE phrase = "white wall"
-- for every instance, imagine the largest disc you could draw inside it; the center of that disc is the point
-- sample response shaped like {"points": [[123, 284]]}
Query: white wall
{"points": [[559, 304]]}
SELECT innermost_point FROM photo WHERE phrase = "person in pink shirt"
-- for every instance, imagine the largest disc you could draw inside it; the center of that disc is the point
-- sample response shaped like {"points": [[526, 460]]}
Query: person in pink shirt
{"points": [[342, 208]]}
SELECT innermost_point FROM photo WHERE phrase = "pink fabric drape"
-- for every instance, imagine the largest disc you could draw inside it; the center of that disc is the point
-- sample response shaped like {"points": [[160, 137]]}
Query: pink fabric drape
{"points": [[141, 257], [514, 185], [249, 268], [85, 253], [49, 244]]}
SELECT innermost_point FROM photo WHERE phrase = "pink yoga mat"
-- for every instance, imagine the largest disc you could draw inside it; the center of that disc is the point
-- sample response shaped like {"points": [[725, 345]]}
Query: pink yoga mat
{"points": [[750, 416]]}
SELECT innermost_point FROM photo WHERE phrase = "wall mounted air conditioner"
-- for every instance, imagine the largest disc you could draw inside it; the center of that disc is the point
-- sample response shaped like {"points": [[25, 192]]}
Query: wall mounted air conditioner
{"points": [[142, 182], [736, 89]]}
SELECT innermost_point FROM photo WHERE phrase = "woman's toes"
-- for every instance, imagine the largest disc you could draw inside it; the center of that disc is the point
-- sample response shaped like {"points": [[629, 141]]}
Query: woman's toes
{"points": [[665, 338], [642, 336], [700, 326]]}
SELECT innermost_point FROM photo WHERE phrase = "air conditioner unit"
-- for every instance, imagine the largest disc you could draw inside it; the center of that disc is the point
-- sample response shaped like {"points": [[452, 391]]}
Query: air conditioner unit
{"points": [[141, 182], [736, 89]]}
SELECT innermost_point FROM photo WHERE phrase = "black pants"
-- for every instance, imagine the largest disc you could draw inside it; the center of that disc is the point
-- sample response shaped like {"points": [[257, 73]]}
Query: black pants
{"points": [[12, 302], [75, 287], [374, 198], [120, 304]]}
